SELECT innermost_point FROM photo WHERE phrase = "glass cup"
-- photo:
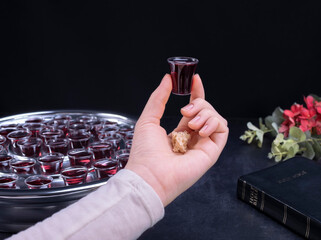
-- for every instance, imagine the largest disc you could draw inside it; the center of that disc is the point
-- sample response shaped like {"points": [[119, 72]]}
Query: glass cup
{"points": [[8, 180], [107, 131], [74, 175], [101, 149], [48, 134], [106, 168], [51, 163], [38, 181], [79, 127], [115, 138], [3, 141], [79, 139], [30, 147], [81, 157], [23, 166], [122, 157], [58, 145], [59, 124], [15, 136], [35, 120], [182, 71], [34, 128], [5, 162]]}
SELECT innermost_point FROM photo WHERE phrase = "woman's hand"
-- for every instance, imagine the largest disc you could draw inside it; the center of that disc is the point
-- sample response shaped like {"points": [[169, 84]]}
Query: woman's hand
{"points": [[151, 155]]}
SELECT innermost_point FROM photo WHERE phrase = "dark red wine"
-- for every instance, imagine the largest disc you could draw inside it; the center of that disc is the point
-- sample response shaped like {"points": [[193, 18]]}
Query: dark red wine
{"points": [[79, 139], [59, 145], [5, 162], [101, 150], [182, 71], [30, 147], [51, 163], [8, 181], [23, 166], [80, 157], [34, 120], [34, 128], [49, 134], [106, 168], [74, 176], [123, 159], [38, 182]]}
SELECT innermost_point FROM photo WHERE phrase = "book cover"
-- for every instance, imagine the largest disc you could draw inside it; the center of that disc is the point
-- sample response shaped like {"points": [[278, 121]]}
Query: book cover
{"points": [[289, 192]]}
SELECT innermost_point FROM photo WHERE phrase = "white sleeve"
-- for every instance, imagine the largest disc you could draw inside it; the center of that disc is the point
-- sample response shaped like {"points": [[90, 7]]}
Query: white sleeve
{"points": [[123, 208]]}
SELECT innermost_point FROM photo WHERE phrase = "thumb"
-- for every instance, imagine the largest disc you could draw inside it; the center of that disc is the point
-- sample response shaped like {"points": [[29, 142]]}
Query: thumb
{"points": [[155, 106]]}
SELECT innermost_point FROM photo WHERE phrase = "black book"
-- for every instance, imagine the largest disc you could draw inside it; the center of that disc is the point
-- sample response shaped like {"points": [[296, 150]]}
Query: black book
{"points": [[289, 192]]}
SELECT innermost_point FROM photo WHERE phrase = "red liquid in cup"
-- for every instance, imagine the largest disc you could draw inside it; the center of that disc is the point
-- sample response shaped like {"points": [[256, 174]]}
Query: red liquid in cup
{"points": [[38, 183], [101, 150], [5, 162], [7, 182], [59, 145], [15, 136], [51, 163], [80, 157], [23, 166], [74, 176], [182, 71], [49, 134], [30, 147], [106, 168], [123, 159], [79, 139]]}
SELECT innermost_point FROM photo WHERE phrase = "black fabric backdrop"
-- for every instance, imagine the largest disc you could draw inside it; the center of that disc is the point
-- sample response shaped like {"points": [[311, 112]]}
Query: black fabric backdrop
{"points": [[110, 55]]}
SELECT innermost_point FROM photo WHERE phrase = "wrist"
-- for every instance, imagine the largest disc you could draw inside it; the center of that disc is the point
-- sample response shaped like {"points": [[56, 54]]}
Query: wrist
{"points": [[150, 179]]}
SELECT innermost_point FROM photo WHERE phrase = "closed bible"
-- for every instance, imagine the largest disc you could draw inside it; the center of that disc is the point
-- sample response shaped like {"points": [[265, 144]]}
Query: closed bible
{"points": [[289, 192]]}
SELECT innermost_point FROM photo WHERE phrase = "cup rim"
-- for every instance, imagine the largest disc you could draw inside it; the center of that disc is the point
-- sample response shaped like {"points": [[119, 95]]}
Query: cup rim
{"points": [[193, 62], [22, 160], [39, 176], [20, 130], [22, 140], [106, 160], [15, 176], [74, 167], [51, 154]]}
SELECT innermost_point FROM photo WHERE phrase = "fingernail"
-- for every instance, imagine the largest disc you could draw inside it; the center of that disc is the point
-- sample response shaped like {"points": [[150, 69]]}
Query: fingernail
{"points": [[188, 107], [204, 128], [195, 119]]}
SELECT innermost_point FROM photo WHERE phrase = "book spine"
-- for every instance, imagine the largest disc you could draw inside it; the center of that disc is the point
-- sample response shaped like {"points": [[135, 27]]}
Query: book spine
{"points": [[293, 219]]}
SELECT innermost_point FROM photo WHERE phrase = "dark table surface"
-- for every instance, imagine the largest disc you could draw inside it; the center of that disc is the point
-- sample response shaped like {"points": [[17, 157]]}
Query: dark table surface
{"points": [[210, 208]]}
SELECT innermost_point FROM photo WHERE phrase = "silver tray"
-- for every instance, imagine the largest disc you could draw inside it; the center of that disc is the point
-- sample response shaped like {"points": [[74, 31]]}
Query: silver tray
{"points": [[21, 208]]}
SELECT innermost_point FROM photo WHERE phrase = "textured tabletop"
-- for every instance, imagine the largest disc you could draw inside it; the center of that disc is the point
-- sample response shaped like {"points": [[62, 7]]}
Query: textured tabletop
{"points": [[210, 209]]}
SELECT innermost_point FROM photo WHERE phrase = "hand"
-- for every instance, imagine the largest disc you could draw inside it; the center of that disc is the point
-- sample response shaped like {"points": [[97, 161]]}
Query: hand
{"points": [[152, 158]]}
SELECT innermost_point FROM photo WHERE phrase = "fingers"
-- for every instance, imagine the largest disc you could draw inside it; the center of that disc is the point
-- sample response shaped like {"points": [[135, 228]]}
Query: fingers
{"points": [[197, 88], [155, 106], [197, 105]]}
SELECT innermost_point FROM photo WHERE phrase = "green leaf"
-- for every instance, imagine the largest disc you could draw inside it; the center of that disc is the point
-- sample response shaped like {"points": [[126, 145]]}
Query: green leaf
{"points": [[296, 134], [317, 149], [277, 116], [251, 126], [308, 151]]}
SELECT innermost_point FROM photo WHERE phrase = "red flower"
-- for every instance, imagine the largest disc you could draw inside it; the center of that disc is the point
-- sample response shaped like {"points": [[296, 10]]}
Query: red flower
{"points": [[317, 106], [309, 102], [307, 119]]}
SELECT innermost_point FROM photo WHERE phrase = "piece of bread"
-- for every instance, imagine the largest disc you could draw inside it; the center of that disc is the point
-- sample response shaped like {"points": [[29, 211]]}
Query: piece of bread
{"points": [[179, 141]]}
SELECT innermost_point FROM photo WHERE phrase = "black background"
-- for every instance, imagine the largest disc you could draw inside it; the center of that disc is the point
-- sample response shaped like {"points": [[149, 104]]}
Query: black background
{"points": [[110, 55]]}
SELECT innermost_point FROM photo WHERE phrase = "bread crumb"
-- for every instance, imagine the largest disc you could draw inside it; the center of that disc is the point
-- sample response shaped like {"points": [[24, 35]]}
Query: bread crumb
{"points": [[179, 141]]}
